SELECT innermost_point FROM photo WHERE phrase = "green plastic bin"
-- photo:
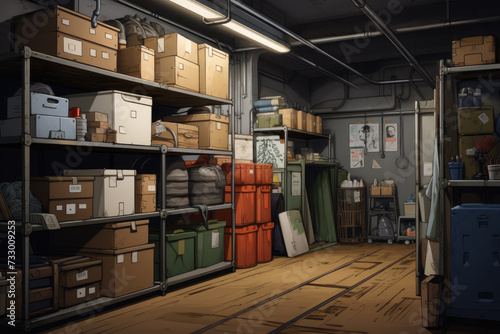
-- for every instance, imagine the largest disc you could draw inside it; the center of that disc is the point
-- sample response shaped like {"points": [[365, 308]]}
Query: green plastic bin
{"points": [[179, 252], [209, 244]]}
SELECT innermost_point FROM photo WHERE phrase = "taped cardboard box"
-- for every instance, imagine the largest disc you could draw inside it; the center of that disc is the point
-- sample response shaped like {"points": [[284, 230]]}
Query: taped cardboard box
{"points": [[69, 198], [125, 270], [137, 61], [212, 129], [173, 45], [476, 120], [177, 72], [145, 184], [475, 50], [214, 71], [289, 117], [187, 135]]}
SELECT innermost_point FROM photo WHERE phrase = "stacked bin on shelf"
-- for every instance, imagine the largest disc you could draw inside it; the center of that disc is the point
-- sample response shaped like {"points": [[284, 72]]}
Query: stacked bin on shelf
{"points": [[263, 180]]}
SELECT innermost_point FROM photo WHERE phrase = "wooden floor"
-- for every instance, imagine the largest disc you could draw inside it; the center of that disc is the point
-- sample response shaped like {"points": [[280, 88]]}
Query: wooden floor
{"points": [[346, 288]]}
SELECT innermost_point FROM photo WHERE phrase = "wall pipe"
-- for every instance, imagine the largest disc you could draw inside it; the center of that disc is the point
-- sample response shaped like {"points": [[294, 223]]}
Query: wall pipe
{"points": [[353, 114], [368, 11]]}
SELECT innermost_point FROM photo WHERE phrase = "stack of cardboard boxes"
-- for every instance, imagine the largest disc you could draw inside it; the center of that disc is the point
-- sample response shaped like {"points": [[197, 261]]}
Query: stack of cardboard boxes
{"points": [[291, 118]]}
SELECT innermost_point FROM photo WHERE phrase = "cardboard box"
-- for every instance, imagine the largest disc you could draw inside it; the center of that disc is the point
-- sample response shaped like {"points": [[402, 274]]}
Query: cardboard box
{"points": [[129, 114], [289, 117], [269, 119], [80, 294], [145, 203], [375, 191], [94, 116], [386, 191], [66, 197], [311, 123], [431, 301], [41, 104], [475, 50], [137, 61], [113, 190], [177, 72], [125, 270], [187, 135], [470, 165], [100, 131], [173, 45], [111, 137], [409, 209], [243, 151], [301, 120], [77, 270], [319, 125], [214, 71], [212, 129], [97, 124], [42, 126], [95, 137], [476, 120], [145, 184]]}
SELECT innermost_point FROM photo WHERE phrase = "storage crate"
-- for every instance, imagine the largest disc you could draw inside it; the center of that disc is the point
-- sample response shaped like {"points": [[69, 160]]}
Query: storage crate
{"points": [[244, 202], [269, 120], [476, 50], [209, 244], [351, 224], [476, 120], [263, 173], [246, 246], [431, 301], [265, 242], [179, 253], [263, 204], [244, 173], [289, 117]]}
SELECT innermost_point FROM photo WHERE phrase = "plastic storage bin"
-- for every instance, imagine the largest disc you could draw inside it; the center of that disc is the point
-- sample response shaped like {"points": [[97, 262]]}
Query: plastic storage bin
{"points": [[263, 204], [494, 172], [244, 200], [263, 173], [179, 252], [265, 242], [209, 244], [244, 173], [246, 245], [456, 170]]}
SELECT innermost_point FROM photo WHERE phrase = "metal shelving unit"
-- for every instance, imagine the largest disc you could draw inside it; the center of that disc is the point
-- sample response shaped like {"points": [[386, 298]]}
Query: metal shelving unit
{"points": [[390, 203], [35, 66]]}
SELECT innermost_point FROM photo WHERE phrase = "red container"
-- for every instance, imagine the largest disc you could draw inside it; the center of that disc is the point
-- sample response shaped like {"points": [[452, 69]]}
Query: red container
{"points": [[244, 173], [263, 204], [265, 242], [246, 245], [263, 173], [244, 202]]}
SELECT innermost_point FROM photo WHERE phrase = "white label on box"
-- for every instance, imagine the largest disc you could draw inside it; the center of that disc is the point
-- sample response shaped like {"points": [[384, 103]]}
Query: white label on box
{"points": [[105, 55], [218, 126], [135, 257], [427, 168], [145, 56], [120, 258], [122, 130], [160, 128], [65, 22], [92, 290], [152, 188], [181, 66], [80, 293], [82, 276], [160, 45], [251, 171], [59, 207], [70, 209], [108, 36], [82, 206], [75, 188], [215, 239], [484, 118], [357, 196], [296, 184], [218, 68], [72, 46], [133, 114], [188, 47], [92, 31], [93, 52]]}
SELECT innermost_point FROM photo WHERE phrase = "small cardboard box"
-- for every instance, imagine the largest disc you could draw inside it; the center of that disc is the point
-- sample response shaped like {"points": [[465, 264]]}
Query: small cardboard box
{"points": [[385, 191], [319, 125], [137, 61], [311, 123], [409, 209], [187, 135], [124, 270], [212, 128], [99, 131], [289, 117], [475, 50], [301, 120], [375, 191], [177, 72], [94, 116], [145, 203], [431, 301], [214, 71], [476, 120], [145, 184], [95, 137], [173, 45]]}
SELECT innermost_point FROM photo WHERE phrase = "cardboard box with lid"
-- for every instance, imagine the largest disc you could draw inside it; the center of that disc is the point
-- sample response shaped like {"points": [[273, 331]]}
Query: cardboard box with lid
{"points": [[476, 50], [214, 71], [173, 44], [187, 135], [177, 72], [137, 61]]}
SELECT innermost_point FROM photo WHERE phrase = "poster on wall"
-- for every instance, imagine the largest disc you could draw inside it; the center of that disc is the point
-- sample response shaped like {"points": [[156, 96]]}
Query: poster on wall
{"points": [[357, 158], [364, 135], [391, 137]]}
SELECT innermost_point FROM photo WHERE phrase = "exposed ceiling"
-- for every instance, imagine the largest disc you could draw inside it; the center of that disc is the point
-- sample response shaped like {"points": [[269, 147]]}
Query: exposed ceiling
{"points": [[312, 19]]}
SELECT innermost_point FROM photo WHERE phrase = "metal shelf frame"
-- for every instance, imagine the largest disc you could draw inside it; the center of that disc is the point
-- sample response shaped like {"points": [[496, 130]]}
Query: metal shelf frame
{"points": [[32, 66]]}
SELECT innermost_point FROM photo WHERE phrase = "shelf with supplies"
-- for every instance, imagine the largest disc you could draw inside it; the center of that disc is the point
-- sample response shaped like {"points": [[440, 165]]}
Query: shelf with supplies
{"points": [[383, 216], [30, 66]]}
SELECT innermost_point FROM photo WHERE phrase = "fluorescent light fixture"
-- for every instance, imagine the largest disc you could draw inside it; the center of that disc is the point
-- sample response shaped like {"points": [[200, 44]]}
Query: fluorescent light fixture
{"points": [[235, 26]]}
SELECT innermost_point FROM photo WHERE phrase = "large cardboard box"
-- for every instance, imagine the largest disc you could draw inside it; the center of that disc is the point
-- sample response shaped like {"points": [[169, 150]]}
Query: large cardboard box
{"points": [[212, 128], [289, 117], [113, 190], [214, 71], [177, 72], [311, 123], [124, 270], [173, 45], [475, 50], [431, 301], [129, 114], [476, 120], [301, 120], [187, 135], [470, 164], [137, 61], [69, 198]]}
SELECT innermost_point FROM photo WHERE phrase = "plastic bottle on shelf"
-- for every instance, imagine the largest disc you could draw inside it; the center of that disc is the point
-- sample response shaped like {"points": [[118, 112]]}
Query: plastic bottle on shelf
{"points": [[81, 127]]}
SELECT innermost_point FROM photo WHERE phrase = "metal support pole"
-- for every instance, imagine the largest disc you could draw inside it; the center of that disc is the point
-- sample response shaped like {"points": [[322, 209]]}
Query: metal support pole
{"points": [[417, 190], [162, 236]]}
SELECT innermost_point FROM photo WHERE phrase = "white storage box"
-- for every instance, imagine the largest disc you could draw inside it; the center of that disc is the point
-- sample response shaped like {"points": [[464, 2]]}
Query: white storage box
{"points": [[41, 104], [129, 114], [42, 126], [243, 147], [113, 190]]}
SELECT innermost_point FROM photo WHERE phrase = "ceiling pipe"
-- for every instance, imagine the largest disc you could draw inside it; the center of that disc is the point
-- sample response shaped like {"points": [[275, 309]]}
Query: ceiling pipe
{"points": [[334, 39], [304, 41], [361, 4]]}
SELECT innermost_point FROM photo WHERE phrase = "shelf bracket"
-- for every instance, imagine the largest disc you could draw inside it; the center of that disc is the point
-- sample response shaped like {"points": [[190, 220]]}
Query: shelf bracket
{"points": [[443, 183], [26, 140], [163, 287], [164, 214], [26, 229]]}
